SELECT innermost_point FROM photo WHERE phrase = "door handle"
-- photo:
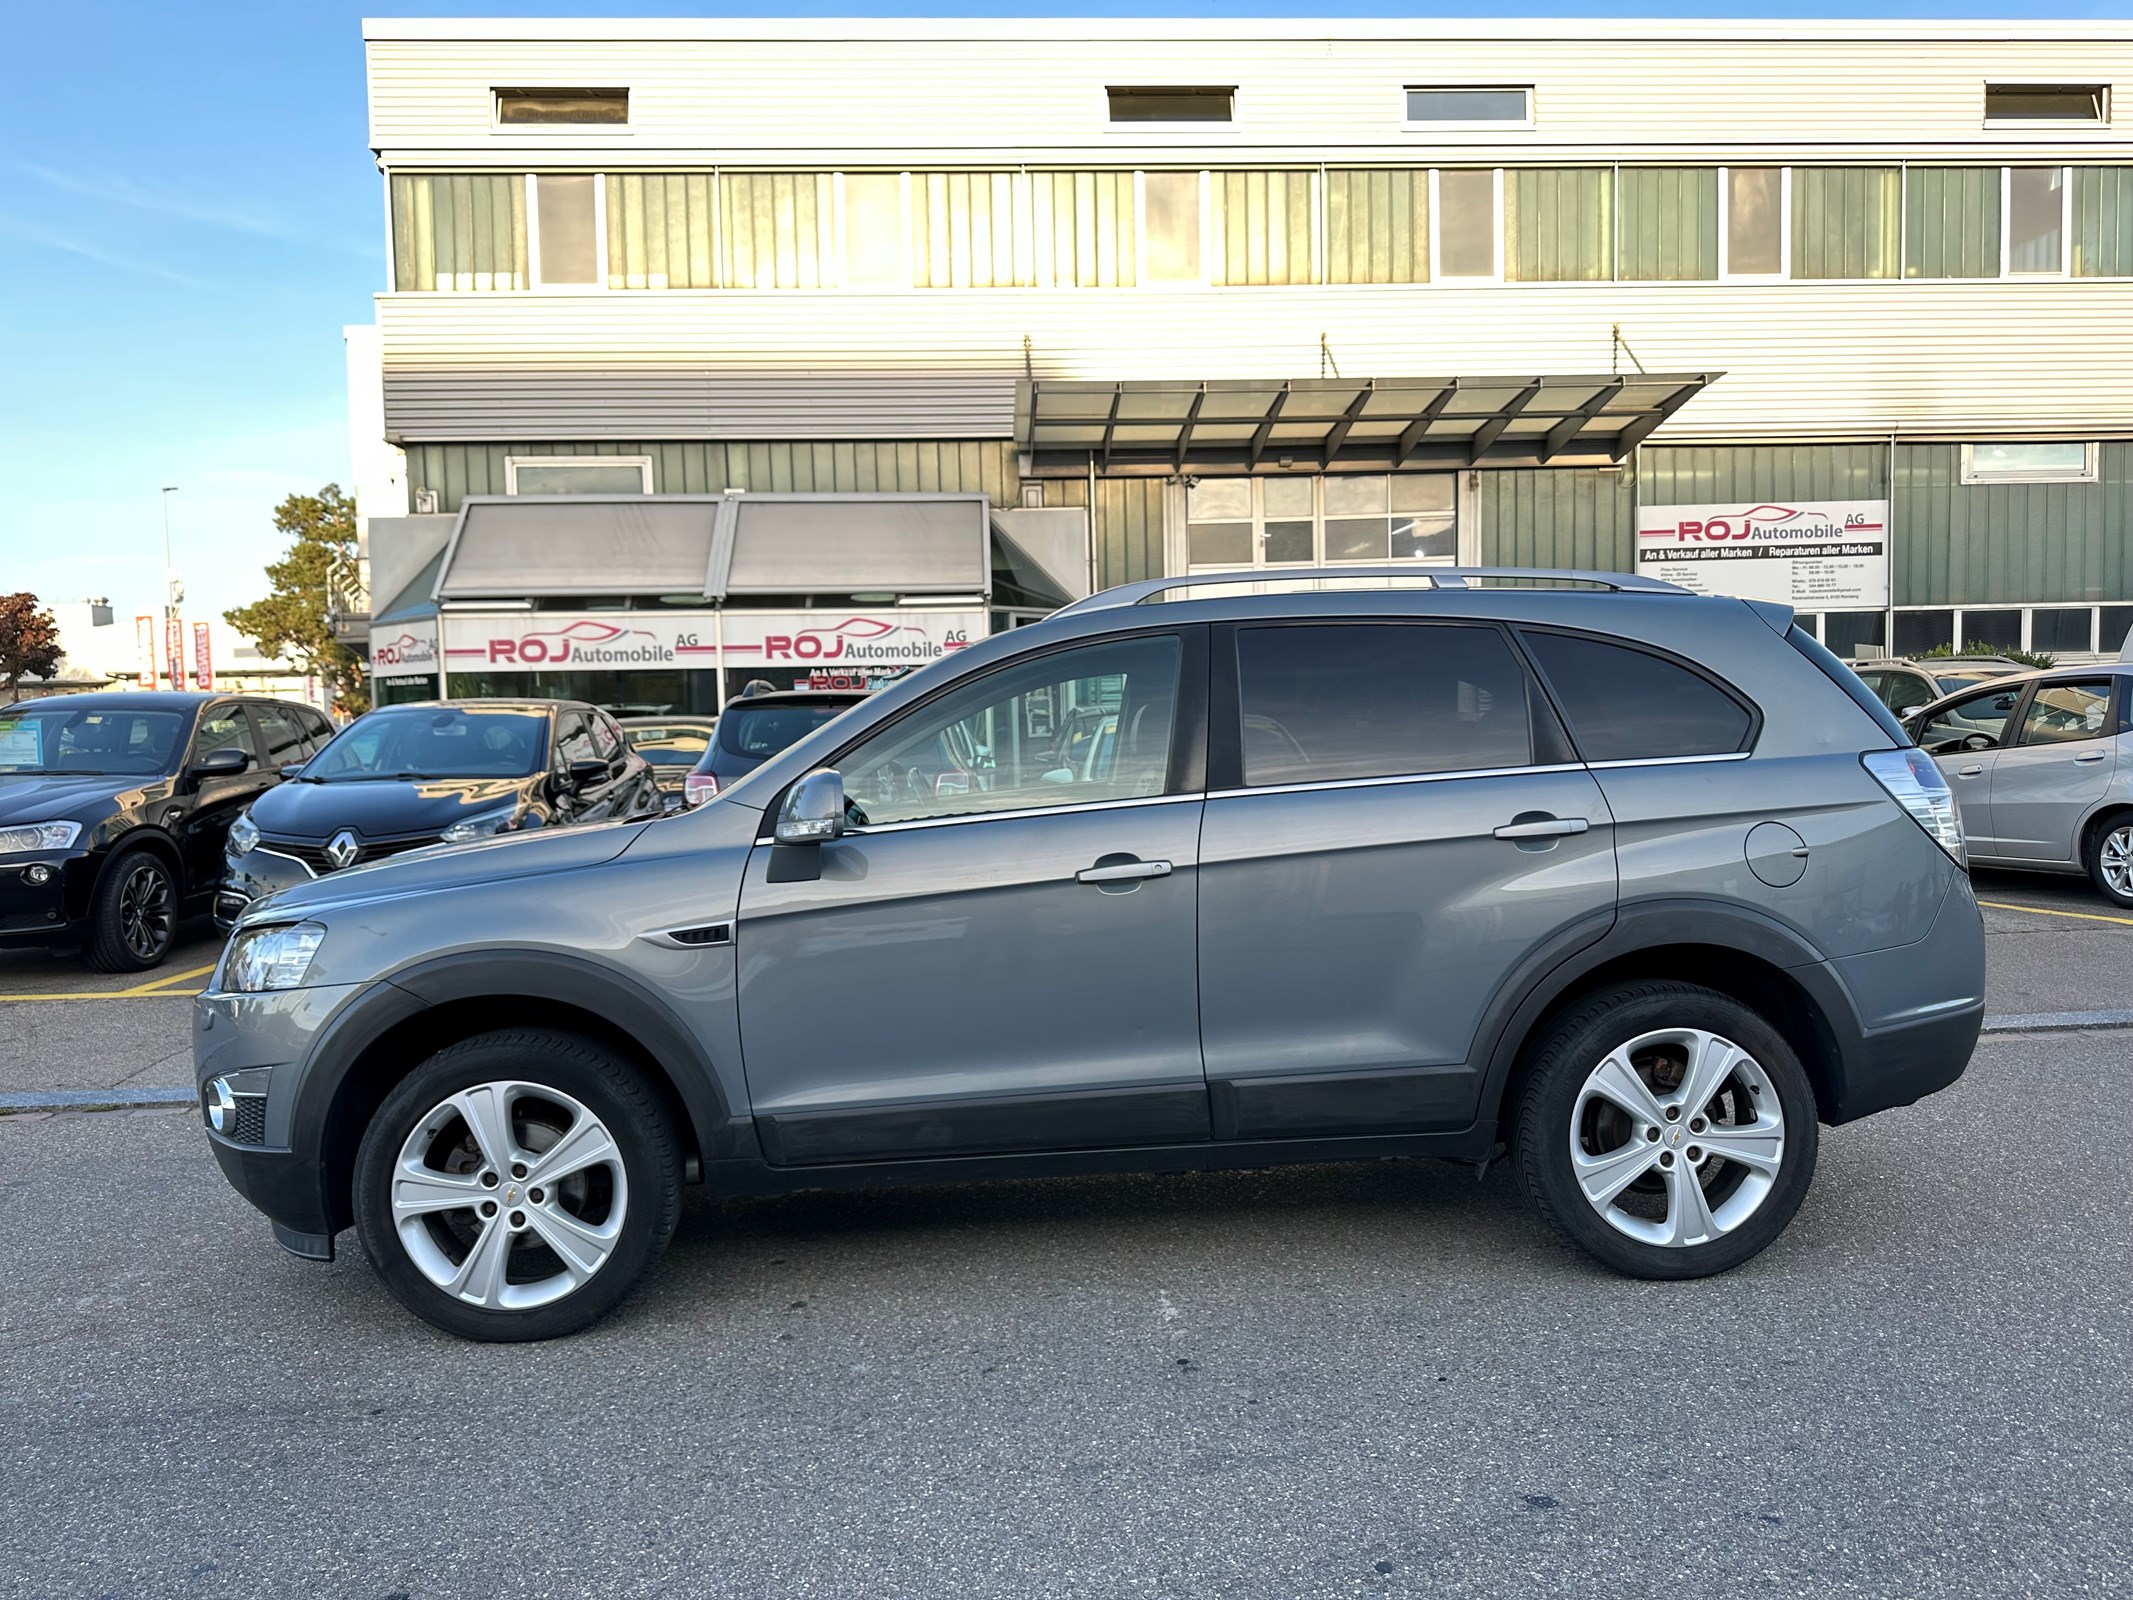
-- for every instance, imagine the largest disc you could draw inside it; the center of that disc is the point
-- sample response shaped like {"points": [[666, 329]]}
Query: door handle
{"points": [[2092, 755], [1968, 772], [1123, 872], [1543, 828]]}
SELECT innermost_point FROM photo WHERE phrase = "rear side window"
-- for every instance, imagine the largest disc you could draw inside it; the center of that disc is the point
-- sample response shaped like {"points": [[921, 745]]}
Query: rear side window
{"points": [[285, 740], [2061, 713], [1371, 700], [1630, 705], [1847, 680]]}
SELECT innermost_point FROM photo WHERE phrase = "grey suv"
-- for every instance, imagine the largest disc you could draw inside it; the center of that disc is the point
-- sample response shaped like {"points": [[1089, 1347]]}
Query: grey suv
{"points": [[1637, 884]]}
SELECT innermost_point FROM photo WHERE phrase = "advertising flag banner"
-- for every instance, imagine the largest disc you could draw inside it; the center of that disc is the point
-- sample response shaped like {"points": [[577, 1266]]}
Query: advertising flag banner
{"points": [[203, 663], [1820, 555], [174, 648], [144, 652]]}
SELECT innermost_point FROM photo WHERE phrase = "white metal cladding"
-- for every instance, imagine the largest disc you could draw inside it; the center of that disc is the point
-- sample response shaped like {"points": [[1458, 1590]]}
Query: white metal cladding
{"points": [[777, 92], [1812, 358]]}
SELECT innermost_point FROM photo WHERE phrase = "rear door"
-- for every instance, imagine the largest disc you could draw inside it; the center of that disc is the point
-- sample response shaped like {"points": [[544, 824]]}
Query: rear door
{"points": [[2058, 765], [1395, 826], [1964, 739]]}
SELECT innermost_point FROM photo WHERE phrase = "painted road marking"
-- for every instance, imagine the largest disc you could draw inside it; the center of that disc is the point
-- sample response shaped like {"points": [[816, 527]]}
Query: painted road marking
{"points": [[153, 989], [2048, 911]]}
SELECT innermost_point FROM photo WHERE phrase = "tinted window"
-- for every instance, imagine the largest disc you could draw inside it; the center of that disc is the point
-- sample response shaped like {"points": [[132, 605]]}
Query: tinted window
{"points": [[606, 737], [573, 739], [285, 740], [760, 732], [222, 727], [87, 739], [1630, 705], [1978, 722], [317, 730], [2059, 712], [1077, 725], [435, 742], [1378, 701]]}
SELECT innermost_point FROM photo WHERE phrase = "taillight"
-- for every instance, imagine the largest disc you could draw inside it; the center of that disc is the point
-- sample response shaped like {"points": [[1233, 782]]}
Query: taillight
{"points": [[1915, 783], [698, 787]]}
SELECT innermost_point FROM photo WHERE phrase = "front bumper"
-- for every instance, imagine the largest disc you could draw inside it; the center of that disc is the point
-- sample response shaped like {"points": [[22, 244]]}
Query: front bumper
{"points": [[48, 912]]}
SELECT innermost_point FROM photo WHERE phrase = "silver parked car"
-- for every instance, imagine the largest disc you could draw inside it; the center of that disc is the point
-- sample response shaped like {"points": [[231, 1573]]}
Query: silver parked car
{"points": [[2041, 771], [1634, 886]]}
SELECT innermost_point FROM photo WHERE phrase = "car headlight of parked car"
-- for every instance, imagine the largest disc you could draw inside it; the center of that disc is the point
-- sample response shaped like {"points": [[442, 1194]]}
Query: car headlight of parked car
{"points": [[269, 958], [244, 834], [480, 827], [38, 836]]}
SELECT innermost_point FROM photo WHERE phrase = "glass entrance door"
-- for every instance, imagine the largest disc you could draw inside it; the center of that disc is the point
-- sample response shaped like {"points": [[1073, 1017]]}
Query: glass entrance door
{"points": [[1238, 524]]}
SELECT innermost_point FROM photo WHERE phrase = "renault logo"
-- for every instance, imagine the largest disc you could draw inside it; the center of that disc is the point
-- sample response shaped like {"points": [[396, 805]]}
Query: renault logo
{"points": [[341, 848]]}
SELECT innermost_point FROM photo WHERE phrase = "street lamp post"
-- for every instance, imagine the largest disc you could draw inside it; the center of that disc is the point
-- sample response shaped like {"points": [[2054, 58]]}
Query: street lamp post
{"points": [[170, 588]]}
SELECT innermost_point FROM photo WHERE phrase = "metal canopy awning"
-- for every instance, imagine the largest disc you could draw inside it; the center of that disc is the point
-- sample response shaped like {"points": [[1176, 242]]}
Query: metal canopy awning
{"points": [[911, 544], [1146, 428], [514, 547]]}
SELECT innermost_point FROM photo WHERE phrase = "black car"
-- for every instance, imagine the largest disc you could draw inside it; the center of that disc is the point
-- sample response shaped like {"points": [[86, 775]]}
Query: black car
{"points": [[440, 772], [114, 809], [756, 726]]}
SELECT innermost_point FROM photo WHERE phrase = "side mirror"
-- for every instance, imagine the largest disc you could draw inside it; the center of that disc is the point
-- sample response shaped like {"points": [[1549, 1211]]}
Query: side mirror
{"points": [[292, 769], [813, 812], [223, 763], [584, 774]]}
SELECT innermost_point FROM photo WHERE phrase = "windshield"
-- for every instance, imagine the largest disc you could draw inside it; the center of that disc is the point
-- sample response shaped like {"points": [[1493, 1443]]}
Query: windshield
{"points": [[760, 732], [92, 740], [435, 742]]}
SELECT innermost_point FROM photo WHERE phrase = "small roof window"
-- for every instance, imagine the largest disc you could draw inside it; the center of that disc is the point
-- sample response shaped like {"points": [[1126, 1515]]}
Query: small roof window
{"points": [[562, 108], [2048, 102], [1470, 105], [1135, 103]]}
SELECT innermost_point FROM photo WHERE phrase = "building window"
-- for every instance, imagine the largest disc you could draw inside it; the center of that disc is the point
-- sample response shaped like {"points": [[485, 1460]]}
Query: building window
{"points": [[1988, 632], [1152, 103], [2052, 462], [1669, 228], [1469, 243], [777, 230], [2103, 222], [1084, 229], [1951, 222], [1469, 106], [659, 230], [1260, 227], [458, 231], [566, 228], [577, 474], [1756, 222], [1847, 222], [1306, 521], [1170, 227], [967, 232], [2062, 630], [1920, 631], [1377, 226], [562, 108], [876, 240], [2114, 629], [2047, 102], [1559, 224], [2036, 220]]}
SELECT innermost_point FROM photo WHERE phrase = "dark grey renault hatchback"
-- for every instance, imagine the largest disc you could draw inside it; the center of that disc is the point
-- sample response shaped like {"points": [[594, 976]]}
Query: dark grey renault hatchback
{"points": [[1638, 887]]}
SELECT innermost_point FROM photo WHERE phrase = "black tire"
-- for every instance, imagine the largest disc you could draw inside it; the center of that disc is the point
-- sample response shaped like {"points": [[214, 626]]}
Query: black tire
{"points": [[133, 914], [2119, 824], [638, 1123], [1576, 1043]]}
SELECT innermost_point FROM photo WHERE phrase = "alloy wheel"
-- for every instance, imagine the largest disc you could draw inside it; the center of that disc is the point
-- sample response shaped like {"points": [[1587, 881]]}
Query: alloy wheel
{"points": [[509, 1195], [1677, 1137], [146, 918], [2114, 858]]}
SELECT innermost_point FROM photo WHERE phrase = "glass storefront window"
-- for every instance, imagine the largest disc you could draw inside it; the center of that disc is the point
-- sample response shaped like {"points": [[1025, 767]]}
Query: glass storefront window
{"points": [[1283, 522], [626, 694]]}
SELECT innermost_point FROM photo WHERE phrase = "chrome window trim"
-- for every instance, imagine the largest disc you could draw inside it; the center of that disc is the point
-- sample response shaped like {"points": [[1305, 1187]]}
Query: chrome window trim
{"points": [[280, 855], [1085, 806], [1667, 761], [1315, 786]]}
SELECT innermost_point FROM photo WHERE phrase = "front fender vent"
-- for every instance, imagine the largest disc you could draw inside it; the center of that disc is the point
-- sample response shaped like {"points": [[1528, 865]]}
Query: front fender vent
{"points": [[695, 936]]}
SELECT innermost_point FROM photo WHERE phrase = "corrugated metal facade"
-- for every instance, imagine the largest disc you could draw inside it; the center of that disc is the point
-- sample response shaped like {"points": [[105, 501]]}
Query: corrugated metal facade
{"points": [[1126, 531], [1971, 544], [1547, 518]]}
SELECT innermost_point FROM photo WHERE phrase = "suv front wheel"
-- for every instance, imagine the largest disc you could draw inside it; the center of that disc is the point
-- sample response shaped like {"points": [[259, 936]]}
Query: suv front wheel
{"points": [[1666, 1129], [517, 1185]]}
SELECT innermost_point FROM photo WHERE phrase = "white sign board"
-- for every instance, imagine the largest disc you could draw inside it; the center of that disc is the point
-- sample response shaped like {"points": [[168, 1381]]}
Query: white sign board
{"points": [[1819, 555], [404, 649], [624, 641]]}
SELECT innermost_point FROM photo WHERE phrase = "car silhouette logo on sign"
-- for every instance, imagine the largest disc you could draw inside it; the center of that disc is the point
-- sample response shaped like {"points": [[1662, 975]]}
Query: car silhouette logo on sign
{"points": [[341, 848]]}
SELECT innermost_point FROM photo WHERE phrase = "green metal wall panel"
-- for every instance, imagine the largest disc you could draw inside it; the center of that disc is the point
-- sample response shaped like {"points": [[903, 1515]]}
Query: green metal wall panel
{"points": [[1669, 223], [1951, 222], [1128, 531], [698, 466], [1846, 221], [1690, 475], [2009, 543], [1377, 225], [1559, 223], [2103, 222], [1557, 517]]}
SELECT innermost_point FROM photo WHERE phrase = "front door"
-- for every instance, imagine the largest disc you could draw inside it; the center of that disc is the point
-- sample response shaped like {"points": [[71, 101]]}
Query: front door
{"points": [[1394, 827], [1964, 740], [2056, 768], [210, 804], [998, 954]]}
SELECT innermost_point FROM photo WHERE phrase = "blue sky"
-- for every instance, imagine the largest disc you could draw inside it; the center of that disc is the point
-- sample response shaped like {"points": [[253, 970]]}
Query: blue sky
{"points": [[188, 217]]}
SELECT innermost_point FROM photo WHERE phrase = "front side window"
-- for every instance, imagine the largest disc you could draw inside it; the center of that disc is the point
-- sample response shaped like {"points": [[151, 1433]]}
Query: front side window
{"points": [[1632, 705], [225, 728], [1077, 726], [1977, 722], [1370, 700], [2060, 713]]}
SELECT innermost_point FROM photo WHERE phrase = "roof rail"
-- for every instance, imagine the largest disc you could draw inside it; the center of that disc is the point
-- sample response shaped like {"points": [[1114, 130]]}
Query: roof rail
{"points": [[1133, 594]]}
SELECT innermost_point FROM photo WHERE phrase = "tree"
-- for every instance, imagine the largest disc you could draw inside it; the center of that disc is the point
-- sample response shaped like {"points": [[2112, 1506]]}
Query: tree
{"points": [[29, 642], [292, 621]]}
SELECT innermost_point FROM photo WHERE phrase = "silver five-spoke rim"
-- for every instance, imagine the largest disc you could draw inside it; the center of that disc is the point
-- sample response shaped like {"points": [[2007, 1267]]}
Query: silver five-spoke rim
{"points": [[2116, 859], [1677, 1137], [509, 1195]]}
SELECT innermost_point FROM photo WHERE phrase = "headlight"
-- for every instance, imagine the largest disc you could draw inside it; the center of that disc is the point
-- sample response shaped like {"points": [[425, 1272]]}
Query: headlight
{"points": [[244, 834], [38, 836], [480, 827], [270, 958]]}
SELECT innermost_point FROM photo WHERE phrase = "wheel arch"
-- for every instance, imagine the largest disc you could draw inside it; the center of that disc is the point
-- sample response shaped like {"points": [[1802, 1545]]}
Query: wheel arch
{"points": [[397, 1025]]}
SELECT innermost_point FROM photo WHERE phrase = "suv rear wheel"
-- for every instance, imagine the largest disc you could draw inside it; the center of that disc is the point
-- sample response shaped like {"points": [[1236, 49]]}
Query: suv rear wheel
{"points": [[517, 1185], [1666, 1129]]}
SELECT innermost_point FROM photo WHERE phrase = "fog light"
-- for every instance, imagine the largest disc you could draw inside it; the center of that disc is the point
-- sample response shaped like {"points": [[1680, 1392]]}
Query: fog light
{"points": [[39, 874], [220, 1105]]}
